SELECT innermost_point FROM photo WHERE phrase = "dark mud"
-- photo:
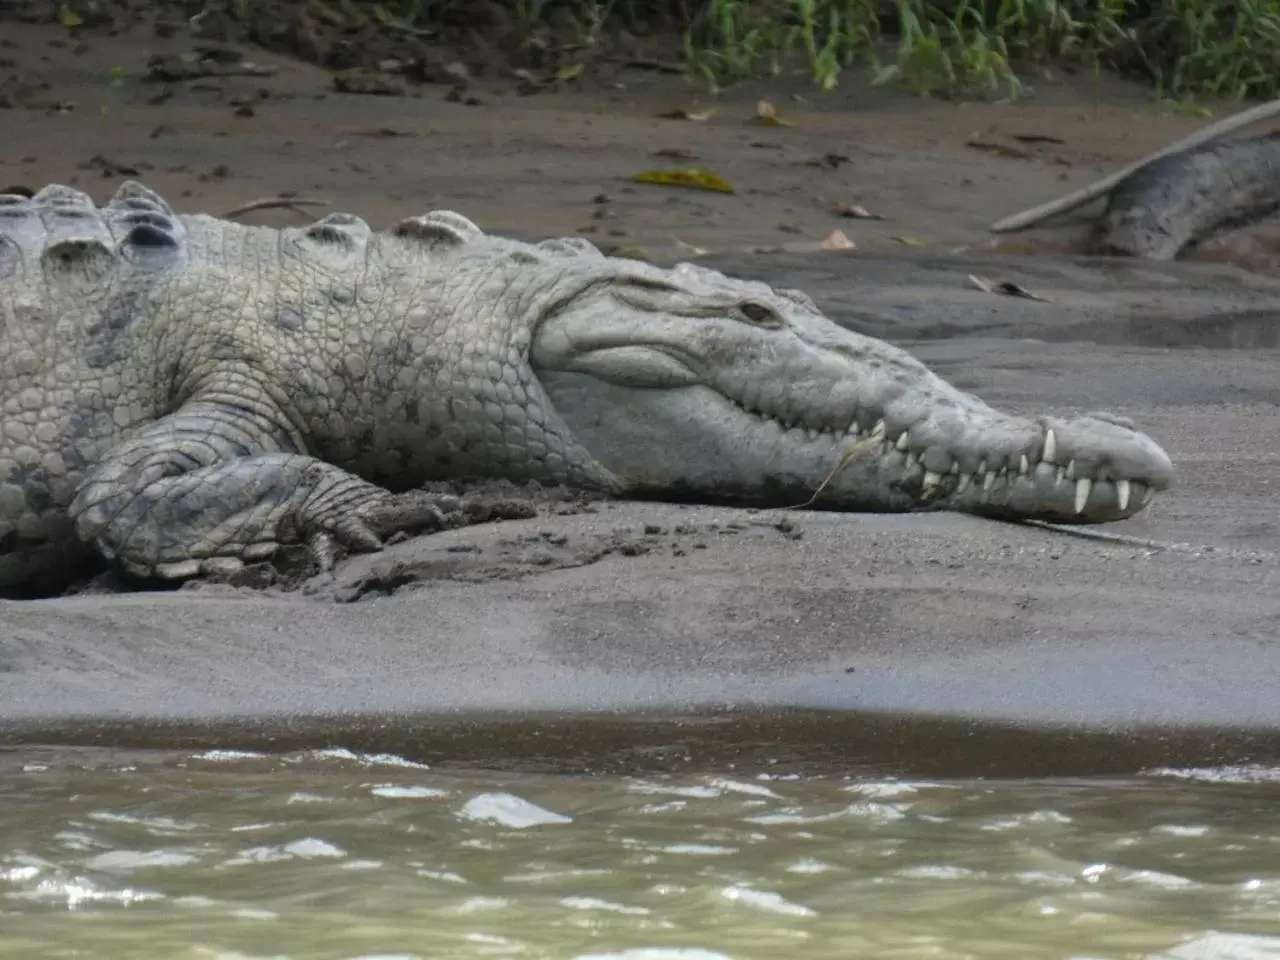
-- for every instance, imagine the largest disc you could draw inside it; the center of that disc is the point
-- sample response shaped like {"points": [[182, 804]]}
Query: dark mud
{"points": [[483, 501], [524, 552], [365, 37]]}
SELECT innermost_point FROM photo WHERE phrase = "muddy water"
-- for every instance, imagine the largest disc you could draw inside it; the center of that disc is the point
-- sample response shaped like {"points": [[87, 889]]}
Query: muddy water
{"points": [[338, 855]]}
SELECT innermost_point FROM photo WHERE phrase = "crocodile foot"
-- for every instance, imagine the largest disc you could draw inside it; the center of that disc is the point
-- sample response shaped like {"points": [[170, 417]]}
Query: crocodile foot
{"points": [[351, 515], [362, 527]]}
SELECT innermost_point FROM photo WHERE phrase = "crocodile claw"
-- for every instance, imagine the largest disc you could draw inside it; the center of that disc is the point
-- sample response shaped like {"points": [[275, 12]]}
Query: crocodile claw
{"points": [[363, 529]]}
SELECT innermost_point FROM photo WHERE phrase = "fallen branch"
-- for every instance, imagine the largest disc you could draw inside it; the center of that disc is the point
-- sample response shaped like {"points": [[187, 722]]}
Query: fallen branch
{"points": [[275, 203], [210, 64], [1078, 198]]}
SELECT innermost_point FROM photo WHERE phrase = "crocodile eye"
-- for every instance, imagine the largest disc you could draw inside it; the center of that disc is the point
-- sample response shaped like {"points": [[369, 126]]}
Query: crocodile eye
{"points": [[760, 315]]}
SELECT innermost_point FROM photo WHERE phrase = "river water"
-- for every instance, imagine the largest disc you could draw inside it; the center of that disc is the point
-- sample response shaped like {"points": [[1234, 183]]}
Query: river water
{"points": [[333, 854]]}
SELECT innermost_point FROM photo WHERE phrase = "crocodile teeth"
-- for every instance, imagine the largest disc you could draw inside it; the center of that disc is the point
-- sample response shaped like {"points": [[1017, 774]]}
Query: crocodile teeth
{"points": [[877, 432], [1084, 486], [904, 441], [963, 483], [930, 482], [1050, 446], [1123, 489], [1024, 466], [1071, 470], [988, 482]]}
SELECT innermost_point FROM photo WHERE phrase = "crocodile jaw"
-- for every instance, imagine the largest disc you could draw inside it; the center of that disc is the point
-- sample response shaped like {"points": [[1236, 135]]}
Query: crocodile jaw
{"points": [[691, 441], [674, 387]]}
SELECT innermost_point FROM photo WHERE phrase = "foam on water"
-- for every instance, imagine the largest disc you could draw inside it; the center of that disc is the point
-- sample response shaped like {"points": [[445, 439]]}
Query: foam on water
{"points": [[338, 854]]}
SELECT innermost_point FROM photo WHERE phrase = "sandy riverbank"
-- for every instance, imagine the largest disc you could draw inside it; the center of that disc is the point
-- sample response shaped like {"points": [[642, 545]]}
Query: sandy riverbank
{"points": [[941, 615]]}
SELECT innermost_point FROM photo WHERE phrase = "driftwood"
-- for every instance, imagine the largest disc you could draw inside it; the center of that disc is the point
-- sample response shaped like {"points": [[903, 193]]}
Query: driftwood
{"points": [[1188, 197], [1078, 198]]}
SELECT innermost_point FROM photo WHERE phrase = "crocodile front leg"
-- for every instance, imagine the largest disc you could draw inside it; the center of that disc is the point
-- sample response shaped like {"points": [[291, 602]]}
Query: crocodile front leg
{"points": [[214, 485]]}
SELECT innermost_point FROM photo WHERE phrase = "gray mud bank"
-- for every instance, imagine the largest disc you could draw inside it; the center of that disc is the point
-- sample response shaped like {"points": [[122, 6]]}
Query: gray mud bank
{"points": [[639, 634]]}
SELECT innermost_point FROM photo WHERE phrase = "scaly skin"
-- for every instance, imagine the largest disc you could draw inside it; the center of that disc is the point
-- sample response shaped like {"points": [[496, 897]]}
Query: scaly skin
{"points": [[183, 394]]}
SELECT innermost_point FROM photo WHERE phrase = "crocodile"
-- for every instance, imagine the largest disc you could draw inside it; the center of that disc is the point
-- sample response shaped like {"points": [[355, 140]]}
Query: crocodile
{"points": [[185, 394]]}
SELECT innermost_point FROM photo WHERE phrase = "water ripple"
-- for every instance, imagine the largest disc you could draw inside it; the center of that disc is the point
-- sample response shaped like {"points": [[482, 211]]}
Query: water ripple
{"points": [[339, 854]]}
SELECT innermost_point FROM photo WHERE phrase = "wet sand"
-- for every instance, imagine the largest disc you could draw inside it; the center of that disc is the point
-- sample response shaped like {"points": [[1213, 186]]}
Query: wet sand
{"points": [[1166, 650]]}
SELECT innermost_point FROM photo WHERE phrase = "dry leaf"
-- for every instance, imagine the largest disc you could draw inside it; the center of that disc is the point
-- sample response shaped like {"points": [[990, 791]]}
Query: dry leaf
{"points": [[767, 114], [689, 177], [831, 160], [69, 18], [1004, 288], [368, 82], [698, 116], [571, 72], [690, 248], [527, 82], [836, 240], [908, 241], [998, 149], [854, 212], [659, 66]]}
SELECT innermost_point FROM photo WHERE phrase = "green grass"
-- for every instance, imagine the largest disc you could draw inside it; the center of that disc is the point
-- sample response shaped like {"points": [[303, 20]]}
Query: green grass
{"points": [[946, 48], [966, 48]]}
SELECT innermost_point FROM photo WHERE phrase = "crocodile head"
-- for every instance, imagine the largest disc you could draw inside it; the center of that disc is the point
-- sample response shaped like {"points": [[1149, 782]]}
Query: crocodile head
{"points": [[685, 382]]}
